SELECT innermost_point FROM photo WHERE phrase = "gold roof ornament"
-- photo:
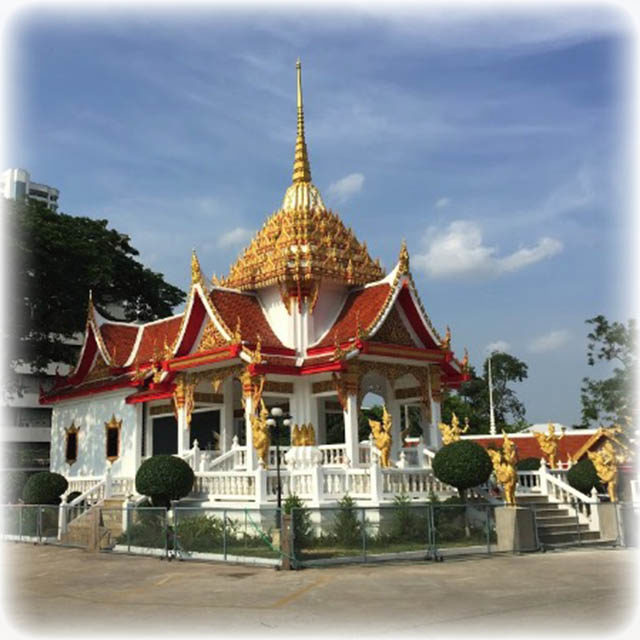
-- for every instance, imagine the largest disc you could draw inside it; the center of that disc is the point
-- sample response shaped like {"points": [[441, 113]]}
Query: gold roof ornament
{"points": [[196, 271], [303, 243], [403, 259], [445, 343]]}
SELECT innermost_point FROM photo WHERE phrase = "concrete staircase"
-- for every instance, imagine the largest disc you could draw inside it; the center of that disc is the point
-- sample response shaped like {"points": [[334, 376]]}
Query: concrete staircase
{"points": [[80, 529], [555, 525]]}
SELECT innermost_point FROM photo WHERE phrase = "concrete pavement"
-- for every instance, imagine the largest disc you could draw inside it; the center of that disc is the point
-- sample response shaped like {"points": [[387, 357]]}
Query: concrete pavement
{"points": [[55, 591]]}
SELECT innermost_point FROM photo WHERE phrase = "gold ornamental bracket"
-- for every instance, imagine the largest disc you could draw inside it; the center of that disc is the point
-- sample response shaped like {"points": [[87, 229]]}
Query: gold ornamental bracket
{"points": [[183, 397]]}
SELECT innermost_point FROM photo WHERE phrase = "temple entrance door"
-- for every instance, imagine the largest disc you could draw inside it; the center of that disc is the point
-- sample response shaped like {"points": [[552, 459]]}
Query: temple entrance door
{"points": [[165, 435], [205, 428]]}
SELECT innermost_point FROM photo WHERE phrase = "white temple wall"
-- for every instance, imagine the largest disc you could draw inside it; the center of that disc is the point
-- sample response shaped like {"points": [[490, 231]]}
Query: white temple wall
{"points": [[279, 319], [90, 416], [330, 300]]}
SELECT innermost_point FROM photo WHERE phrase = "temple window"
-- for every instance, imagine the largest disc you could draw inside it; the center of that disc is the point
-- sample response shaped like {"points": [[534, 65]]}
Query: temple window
{"points": [[71, 444], [113, 438]]}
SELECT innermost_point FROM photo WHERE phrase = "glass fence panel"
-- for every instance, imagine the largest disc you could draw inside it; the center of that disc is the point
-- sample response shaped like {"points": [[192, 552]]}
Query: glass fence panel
{"points": [[222, 534], [401, 527], [320, 534], [143, 528], [463, 527]]}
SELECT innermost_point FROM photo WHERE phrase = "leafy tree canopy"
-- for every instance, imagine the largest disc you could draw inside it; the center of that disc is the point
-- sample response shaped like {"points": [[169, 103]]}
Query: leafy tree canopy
{"points": [[472, 398], [55, 260], [611, 399]]}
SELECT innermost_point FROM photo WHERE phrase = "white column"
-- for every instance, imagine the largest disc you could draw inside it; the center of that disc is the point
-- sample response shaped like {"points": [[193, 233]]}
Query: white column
{"points": [[435, 437], [135, 460], [183, 431], [393, 407], [226, 415], [251, 458], [351, 430], [148, 445]]}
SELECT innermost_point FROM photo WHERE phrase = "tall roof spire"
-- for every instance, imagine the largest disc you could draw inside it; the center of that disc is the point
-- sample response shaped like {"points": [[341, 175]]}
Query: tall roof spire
{"points": [[301, 169]]}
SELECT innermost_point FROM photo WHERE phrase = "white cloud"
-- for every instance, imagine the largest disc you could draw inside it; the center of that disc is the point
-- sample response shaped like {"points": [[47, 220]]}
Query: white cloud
{"points": [[346, 187], [458, 251], [442, 202], [549, 341], [499, 345], [236, 236]]}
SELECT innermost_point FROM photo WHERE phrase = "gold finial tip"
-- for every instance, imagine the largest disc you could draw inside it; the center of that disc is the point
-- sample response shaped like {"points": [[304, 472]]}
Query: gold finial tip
{"points": [[298, 63]]}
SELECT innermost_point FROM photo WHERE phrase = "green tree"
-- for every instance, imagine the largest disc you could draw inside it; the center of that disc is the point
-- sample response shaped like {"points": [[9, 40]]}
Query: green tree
{"points": [[472, 398], [55, 259], [610, 399]]}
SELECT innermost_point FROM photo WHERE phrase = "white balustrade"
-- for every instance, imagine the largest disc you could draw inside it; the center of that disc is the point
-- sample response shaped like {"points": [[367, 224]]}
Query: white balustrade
{"points": [[333, 455], [221, 485]]}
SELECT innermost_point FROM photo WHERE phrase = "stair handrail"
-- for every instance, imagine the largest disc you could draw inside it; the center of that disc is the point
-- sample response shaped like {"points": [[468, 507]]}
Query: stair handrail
{"points": [[103, 486], [219, 461], [567, 488]]}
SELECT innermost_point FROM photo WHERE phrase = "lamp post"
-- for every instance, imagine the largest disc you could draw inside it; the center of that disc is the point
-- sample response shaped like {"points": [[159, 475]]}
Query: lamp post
{"points": [[277, 416]]}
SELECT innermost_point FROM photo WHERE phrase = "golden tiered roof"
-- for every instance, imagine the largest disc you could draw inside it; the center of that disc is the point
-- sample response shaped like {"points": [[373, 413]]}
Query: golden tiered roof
{"points": [[304, 242]]}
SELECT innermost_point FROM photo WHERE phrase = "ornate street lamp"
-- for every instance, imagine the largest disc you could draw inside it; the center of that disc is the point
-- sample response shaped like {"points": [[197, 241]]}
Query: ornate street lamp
{"points": [[277, 417]]}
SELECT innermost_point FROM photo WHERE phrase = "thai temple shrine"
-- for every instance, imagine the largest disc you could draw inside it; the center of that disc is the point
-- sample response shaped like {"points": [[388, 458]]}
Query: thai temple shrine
{"points": [[306, 320]]}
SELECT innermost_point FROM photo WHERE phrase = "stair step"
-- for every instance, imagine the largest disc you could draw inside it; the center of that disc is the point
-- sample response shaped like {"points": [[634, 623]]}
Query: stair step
{"points": [[552, 538], [543, 521], [550, 513], [562, 528]]}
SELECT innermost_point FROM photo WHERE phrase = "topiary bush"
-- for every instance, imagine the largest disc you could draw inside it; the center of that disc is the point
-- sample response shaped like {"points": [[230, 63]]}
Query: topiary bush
{"points": [[301, 524], [528, 464], [583, 476], [44, 488], [463, 464], [164, 478], [347, 528]]}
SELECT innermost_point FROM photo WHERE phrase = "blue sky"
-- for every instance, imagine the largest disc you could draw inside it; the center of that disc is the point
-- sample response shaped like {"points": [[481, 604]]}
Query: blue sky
{"points": [[493, 141]]}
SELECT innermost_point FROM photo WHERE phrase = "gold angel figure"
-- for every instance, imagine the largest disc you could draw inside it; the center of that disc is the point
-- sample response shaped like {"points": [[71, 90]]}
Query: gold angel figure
{"points": [[549, 443], [606, 462], [505, 470], [452, 433], [260, 432], [382, 436]]}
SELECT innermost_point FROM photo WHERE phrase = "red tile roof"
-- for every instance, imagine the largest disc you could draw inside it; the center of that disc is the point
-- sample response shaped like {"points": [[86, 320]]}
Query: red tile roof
{"points": [[154, 336], [527, 446], [231, 305], [362, 305], [119, 340]]}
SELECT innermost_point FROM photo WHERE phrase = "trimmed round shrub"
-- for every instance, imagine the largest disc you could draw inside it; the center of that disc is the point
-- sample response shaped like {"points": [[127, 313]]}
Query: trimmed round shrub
{"points": [[164, 478], [528, 464], [463, 464], [44, 488], [583, 476]]}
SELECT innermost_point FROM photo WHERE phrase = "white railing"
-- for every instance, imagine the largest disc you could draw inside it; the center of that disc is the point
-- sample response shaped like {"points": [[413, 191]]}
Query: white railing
{"points": [[414, 483], [333, 455], [336, 483], [232, 459], [272, 456], [226, 485], [82, 483]]}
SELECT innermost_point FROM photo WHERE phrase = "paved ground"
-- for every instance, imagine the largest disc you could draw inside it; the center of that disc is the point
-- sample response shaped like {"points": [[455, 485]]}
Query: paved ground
{"points": [[52, 591]]}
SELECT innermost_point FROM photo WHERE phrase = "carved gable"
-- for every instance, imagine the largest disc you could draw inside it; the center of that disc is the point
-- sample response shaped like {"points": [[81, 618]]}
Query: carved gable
{"points": [[211, 338], [393, 331]]}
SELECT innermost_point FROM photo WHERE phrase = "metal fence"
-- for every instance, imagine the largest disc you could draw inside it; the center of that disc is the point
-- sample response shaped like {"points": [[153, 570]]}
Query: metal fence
{"points": [[325, 535], [401, 531]]}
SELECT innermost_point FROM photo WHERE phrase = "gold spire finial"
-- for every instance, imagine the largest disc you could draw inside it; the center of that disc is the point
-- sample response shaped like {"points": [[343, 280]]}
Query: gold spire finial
{"points": [[196, 272], [403, 258], [301, 169]]}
